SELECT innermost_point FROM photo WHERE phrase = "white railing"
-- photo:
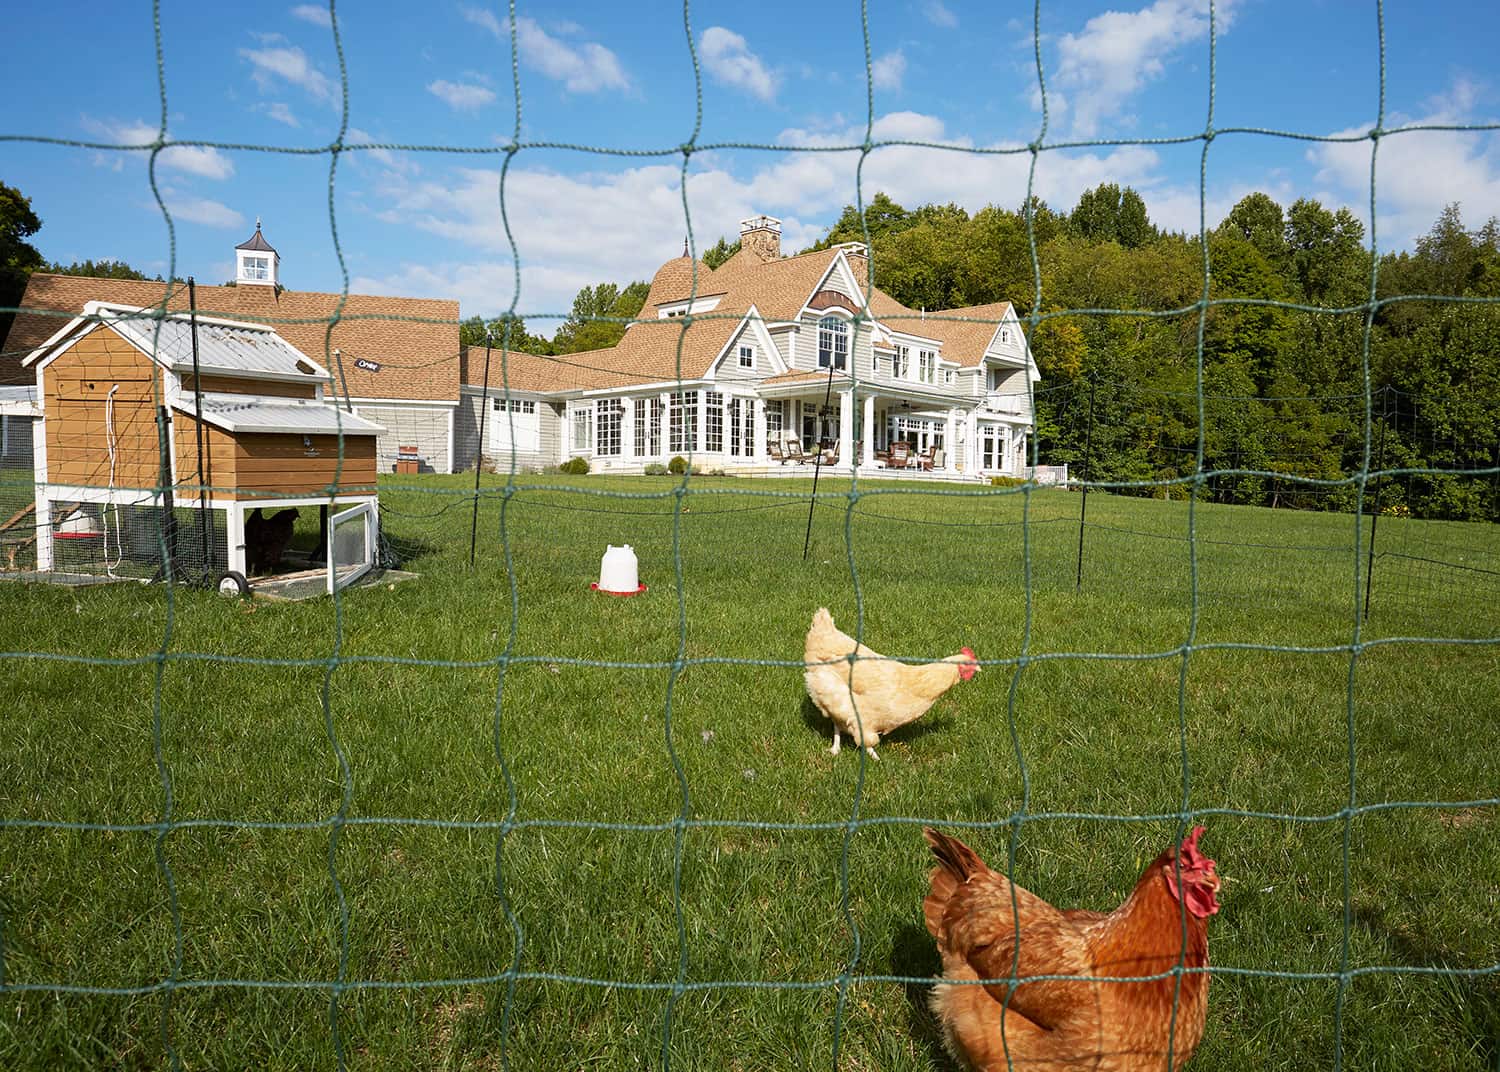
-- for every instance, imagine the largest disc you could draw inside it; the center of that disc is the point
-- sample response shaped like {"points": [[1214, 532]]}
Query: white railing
{"points": [[1007, 403]]}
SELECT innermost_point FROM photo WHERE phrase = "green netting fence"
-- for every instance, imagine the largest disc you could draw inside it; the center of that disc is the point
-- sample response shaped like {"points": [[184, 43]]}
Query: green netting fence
{"points": [[620, 920]]}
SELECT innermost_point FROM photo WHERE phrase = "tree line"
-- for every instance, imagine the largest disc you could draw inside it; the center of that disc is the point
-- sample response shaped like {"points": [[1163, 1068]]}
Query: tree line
{"points": [[1283, 363]]}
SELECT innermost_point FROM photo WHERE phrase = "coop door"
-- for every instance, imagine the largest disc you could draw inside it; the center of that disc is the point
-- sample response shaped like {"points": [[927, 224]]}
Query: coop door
{"points": [[351, 545]]}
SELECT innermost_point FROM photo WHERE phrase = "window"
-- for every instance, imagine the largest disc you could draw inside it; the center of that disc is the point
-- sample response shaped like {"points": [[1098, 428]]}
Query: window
{"points": [[647, 427], [948, 376], [1005, 334], [583, 429], [926, 366], [714, 422], [833, 343], [775, 420], [747, 357], [255, 268], [611, 412], [901, 363], [741, 427], [682, 420]]}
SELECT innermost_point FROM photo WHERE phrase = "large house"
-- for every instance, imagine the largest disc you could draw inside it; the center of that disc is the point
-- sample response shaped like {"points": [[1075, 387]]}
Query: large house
{"points": [[393, 361], [765, 360]]}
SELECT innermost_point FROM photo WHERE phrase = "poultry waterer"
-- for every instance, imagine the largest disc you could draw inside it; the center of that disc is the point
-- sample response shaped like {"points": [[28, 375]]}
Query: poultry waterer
{"points": [[618, 573]]}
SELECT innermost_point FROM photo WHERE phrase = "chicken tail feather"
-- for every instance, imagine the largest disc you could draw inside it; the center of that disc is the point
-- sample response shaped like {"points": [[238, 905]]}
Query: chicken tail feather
{"points": [[953, 855]]}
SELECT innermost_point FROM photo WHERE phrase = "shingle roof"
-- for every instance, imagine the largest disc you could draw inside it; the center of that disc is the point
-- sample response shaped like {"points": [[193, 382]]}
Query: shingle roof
{"points": [[964, 339], [256, 242], [673, 282], [414, 340]]}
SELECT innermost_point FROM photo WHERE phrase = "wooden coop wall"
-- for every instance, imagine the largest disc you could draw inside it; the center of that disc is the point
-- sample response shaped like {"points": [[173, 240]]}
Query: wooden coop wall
{"points": [[75, 387], [272, 462]]}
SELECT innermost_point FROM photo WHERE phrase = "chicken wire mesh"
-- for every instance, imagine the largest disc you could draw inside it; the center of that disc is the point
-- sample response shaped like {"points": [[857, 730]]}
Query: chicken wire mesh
{"points": [[1216, 457]]}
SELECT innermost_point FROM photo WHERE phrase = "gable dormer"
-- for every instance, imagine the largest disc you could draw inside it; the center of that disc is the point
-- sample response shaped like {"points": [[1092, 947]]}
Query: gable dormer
{"points": [[255, 261]]}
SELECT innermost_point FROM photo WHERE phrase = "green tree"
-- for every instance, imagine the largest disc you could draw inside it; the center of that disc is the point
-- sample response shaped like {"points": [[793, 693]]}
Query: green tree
{"points": [[106, 269], [715, 255], [1258, 219], [599, 315], [18, 258], [1108, 214], [476, 331]]}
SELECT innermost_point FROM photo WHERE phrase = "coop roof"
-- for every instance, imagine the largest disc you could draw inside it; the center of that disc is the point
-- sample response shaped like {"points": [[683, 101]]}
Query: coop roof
{"points": [[19, 402], [225, 347], [251, 413]]}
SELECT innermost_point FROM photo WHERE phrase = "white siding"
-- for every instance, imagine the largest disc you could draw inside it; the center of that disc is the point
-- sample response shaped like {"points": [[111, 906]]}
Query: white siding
{"points": [[419, 426]]}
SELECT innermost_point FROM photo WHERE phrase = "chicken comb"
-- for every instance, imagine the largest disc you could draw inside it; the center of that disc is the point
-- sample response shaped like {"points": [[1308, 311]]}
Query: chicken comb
{"points": [[1192, 859]]}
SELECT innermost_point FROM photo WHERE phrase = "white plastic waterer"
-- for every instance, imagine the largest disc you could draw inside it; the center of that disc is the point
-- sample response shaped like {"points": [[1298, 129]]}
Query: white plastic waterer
{"points": [[618, 573]]}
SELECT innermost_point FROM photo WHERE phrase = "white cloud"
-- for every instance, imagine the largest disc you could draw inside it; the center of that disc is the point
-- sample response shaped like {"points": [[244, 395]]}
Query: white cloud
{"points": [[282, 114], [485, 20], [888, 71], [312, 13], [288, 65], [1117, 53], [728, 59], [201, 210], [576, 229], [461, 96], [938, 14], [201, 160], [1417, 172], [401, 164], [587, 67]]}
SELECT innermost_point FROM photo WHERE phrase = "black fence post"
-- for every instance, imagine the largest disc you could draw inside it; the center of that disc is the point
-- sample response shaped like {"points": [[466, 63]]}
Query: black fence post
{"points": [[1385, 413], [1083, 508]]}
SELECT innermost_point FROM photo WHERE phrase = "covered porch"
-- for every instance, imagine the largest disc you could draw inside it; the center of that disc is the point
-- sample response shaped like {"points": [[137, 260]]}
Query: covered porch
{"points": [[899, 431]]}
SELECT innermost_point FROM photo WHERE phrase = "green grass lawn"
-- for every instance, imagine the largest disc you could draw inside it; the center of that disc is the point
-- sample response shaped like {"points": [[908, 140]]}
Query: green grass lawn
{"points": [[792, 931]]}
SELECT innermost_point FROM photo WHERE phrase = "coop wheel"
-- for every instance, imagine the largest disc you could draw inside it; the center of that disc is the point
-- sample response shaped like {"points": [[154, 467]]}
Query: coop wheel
{"points": [[232, 583]]}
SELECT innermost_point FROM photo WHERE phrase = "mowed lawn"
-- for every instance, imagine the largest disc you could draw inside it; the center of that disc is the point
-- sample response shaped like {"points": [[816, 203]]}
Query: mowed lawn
{"points": [[489, 818]]}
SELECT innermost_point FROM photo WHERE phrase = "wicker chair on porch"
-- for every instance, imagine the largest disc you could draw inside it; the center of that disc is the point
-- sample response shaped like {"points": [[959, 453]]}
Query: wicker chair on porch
{"points": [[931, 458], [899, 456], [789, 449]]}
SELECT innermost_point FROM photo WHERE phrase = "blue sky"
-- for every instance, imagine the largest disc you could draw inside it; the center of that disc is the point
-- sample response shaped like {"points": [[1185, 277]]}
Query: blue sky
{"points": [[787, 77]]}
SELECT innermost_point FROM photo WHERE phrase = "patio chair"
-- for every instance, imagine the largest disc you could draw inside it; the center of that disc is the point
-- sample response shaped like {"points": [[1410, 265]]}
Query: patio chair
{"points": [[773, 448], [791, 449], [932, 458], [900, 454]]}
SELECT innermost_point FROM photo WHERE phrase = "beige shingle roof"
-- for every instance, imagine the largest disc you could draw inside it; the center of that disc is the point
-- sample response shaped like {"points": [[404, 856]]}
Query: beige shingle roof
{"points": [[414, 340], [673, 282], [965, 338]]}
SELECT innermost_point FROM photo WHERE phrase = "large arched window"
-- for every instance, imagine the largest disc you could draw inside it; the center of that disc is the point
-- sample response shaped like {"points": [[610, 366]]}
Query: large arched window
{"points": [[833, 343]]}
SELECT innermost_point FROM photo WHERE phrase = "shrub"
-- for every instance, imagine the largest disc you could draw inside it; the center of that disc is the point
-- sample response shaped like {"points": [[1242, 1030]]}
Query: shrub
{"points": [[655, 469], [574, 466], [1006, 482], [677, 466]]}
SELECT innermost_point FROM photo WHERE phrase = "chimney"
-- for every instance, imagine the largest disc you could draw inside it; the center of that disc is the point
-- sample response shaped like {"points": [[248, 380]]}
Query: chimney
{"points": [[761, 235]]}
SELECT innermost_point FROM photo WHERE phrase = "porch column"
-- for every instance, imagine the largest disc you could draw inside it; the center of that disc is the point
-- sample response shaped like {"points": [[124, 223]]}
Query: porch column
{"points": [[627, 430], [950, 438], [867, 441], [846, 428], [758, 430], [666, 428]]}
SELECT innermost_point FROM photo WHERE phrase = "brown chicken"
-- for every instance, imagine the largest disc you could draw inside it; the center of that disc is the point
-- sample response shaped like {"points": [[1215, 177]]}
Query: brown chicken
{"points": [[886, 694], [1052, 1025]]}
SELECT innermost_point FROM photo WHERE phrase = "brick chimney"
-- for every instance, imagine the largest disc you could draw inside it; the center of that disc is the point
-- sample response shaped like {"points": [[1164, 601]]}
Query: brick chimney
{"points": [[761, 235]]}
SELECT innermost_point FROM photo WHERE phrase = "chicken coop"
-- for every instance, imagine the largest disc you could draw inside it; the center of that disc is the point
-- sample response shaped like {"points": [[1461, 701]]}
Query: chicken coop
{"points": [[172, 438]]}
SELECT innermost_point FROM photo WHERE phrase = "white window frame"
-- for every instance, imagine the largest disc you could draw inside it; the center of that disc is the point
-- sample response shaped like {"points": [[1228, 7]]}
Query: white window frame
{"points": [[746, 356], [775, 421], [713, 422], [256, 267], [833, 342], [926, 366], [609, 427], [580, 427], [647, 427], [901, 363], [682, 421]]}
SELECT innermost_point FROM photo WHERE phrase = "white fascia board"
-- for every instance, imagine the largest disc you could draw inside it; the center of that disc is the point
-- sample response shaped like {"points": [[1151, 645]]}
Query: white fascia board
{"points": [[847, 284], [428, 403], [475, 390], [920, 342], [643, 388], [58, 336]]}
